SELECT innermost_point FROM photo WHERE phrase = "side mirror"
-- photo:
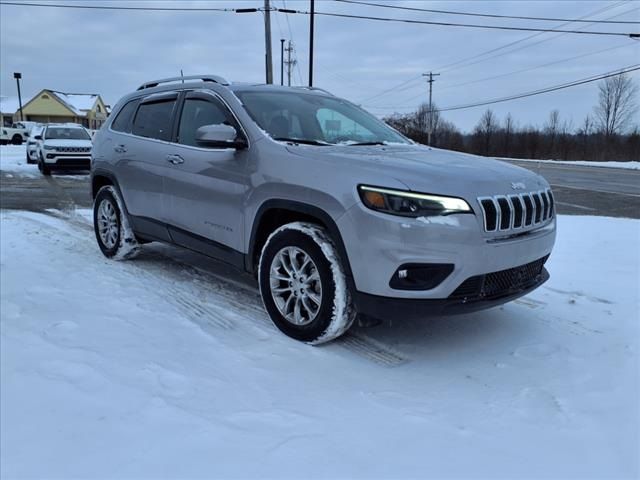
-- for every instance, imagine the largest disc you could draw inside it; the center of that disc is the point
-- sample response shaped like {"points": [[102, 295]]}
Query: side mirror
{"points": [[38, 137], [219, 136]]}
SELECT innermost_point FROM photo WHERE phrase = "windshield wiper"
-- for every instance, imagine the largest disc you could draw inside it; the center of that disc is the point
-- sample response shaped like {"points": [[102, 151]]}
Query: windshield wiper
{"points": [[364, 144], [302, 141]]}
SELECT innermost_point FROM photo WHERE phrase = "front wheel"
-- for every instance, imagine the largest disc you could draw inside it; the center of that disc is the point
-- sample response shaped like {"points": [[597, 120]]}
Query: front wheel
{"points": [[303, 285], [16, 140], [115, 238], [43, 167]]}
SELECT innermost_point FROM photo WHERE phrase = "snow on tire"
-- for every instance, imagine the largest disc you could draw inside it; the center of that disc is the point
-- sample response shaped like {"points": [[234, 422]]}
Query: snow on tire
{"points": [[303, 285], [111, 225]]}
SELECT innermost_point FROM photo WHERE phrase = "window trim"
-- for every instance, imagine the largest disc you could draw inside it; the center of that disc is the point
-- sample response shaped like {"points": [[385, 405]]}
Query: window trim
{"points": [[176, 118], [207, 95]]}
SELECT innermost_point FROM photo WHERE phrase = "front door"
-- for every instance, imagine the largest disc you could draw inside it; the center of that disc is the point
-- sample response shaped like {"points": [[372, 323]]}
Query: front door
{"points": [[206, 187]]}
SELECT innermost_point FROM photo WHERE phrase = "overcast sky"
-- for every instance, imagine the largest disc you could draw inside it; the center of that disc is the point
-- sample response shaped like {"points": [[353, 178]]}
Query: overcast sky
{"points": [[113, 52]]}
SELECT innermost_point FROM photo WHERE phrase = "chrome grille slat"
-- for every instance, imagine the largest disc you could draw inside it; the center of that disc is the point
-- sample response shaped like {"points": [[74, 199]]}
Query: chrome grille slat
{"points": [[518, 211]]}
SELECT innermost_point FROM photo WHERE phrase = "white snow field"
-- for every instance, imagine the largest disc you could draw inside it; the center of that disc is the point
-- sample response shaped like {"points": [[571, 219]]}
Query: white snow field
{"points": [[160, 368], [631, 165]]}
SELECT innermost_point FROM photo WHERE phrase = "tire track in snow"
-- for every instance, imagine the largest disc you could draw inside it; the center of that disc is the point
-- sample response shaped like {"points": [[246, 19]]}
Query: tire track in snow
{"points": [[200, 305]]}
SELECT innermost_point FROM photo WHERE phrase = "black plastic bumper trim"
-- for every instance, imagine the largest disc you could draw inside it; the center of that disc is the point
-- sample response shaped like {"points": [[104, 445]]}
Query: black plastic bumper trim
{"points": [[388, 308]]}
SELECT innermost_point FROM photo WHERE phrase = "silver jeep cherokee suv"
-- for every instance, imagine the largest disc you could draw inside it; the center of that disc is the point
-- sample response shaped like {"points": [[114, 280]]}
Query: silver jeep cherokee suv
{"points": [[334, 212]]}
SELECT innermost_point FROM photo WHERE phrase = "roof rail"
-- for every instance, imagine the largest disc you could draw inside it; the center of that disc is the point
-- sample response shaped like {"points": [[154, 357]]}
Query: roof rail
{"points": [[204, 78]]}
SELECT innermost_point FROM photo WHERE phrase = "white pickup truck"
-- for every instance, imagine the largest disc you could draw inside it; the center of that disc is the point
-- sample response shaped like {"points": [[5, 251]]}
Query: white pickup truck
{"points": [[16, 134]]}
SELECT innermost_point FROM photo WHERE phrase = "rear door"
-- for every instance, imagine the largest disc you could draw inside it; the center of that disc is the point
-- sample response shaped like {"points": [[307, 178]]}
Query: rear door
{"points": [[206, 187], [143, 163]]}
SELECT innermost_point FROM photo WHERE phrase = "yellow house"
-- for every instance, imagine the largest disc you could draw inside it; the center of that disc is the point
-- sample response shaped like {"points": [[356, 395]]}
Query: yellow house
{"points": [[51, 106]]}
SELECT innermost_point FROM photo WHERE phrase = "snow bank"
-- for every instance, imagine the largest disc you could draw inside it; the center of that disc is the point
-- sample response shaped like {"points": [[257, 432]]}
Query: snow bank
{"points": [[158, 368], [626, 165], [13, 159]]}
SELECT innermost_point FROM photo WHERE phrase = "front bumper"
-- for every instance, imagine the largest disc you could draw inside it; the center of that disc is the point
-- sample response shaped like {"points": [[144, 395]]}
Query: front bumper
{"points": [[377, 244], [386, 308], [67, 161]]}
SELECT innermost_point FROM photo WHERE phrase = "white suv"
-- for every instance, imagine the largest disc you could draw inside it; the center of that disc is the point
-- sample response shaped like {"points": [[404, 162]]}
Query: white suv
{"points": [[63, 147]]}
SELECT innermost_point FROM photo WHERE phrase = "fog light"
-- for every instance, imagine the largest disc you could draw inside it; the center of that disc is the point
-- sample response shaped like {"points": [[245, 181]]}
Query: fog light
{"points": [[50, 156], [420, 276]]}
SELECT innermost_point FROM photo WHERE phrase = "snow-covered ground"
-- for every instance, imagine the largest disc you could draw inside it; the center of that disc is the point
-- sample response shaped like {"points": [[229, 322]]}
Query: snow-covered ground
{"points": [[13, 161], [631, 165], [158, 368]]}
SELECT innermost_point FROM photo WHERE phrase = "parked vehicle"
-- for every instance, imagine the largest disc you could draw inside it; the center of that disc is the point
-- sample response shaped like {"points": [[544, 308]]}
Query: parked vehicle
{"points": [[33, 143], [334, 213], [15, 134], [63, 147]]}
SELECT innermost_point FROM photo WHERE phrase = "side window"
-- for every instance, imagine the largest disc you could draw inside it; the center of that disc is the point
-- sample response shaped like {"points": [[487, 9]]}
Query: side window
{"points": [[122, 122], [196, 113], [153, 120]]}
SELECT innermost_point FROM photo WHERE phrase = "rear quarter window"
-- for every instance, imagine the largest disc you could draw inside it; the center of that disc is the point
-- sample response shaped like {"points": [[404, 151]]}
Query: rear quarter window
{"points": [[122, 122]]}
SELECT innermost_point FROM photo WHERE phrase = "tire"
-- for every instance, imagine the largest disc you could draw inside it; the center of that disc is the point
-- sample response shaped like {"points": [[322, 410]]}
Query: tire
{"points": [[110, 224], [44, 169], [303, 285], [16, 140]]}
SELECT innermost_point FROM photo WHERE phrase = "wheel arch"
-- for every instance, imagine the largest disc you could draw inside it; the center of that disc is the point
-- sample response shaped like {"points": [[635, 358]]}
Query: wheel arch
{"points": [[275, 213]]}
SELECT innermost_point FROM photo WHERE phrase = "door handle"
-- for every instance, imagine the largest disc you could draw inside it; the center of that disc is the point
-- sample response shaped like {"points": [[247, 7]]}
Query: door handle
{"points": [[120, 148], [175, 159]]}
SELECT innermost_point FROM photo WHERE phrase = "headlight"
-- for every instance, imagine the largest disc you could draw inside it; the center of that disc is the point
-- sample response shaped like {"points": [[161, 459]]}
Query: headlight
{"points": [[48, 147], [411, 204]]}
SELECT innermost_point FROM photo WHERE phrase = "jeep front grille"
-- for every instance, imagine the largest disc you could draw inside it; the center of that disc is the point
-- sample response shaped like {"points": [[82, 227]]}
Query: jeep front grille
{"points": [[512, 212], [73, 149]]}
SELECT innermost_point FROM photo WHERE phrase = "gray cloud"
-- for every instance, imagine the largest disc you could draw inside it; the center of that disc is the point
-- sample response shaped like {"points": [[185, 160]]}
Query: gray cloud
{"points": [[112, 52]]}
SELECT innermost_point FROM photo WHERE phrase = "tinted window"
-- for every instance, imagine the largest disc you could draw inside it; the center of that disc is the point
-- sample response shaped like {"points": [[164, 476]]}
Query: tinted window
{"points": [[153, 120], [196, 113], [122, 123]]}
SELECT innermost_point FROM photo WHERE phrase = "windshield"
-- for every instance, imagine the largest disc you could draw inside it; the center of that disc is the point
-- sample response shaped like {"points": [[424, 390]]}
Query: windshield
{"points": [[61, 133], [316, 119]]}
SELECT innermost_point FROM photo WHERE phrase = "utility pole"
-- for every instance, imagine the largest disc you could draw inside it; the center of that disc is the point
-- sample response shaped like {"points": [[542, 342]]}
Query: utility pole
{"points": [[282, 61], [431, 80], [18, 76], [311, 18], [289, 62], [267, 41]]}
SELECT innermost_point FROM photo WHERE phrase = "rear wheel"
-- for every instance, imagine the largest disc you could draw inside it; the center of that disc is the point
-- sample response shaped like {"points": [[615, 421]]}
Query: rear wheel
{"points": [[16, 140], [303, 285], [115, 238]]}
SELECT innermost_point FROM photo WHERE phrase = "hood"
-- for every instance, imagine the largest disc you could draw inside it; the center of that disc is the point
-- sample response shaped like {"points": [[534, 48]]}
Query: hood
{"points": [[55, 142], [427, 170]]}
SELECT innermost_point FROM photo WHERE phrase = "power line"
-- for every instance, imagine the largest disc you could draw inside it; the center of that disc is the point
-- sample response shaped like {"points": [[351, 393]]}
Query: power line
{"points": [[554, 88], [445, 87], [450, 66], [466, 25], [391, 89], [556, 62], [460, 63], [488, 15], [112, 7]]}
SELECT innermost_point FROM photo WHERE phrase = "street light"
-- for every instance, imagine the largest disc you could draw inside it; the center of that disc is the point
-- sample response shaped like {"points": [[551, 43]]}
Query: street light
{"points": [[18, 76]]}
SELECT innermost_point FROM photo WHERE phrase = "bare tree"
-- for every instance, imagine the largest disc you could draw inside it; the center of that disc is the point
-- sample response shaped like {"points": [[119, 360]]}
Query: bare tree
{"points": [[509, 128], [485, 130], [617, 103]]}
